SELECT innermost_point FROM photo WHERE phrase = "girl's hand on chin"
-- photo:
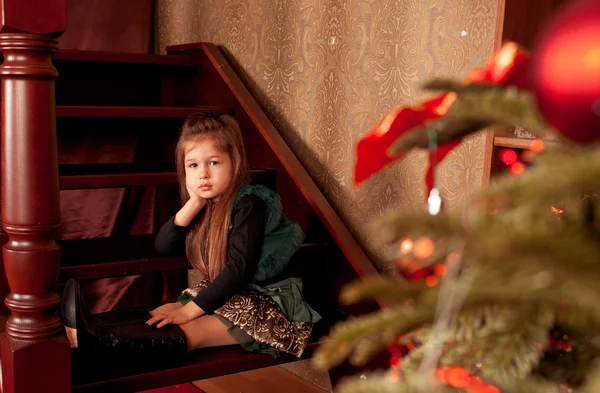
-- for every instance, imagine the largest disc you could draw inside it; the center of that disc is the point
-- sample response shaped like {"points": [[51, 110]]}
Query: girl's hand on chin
{"points": [[193, 194]]}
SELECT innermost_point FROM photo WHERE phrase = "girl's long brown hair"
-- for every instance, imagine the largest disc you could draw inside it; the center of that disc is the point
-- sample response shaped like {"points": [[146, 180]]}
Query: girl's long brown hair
{"points": [[206, 243]]}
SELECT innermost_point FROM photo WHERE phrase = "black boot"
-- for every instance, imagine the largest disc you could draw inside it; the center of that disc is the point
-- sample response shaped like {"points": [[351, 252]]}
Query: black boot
{"points": [[123, 333]]}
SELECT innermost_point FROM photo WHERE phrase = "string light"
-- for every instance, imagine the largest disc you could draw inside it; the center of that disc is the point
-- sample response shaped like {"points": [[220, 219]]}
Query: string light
{"points": [[406, 246], [511, 158], [527, 156], [440, 269], [517, 168], [431, 281], [508, 156], [423, 248], [537, 146], [453, 257]]}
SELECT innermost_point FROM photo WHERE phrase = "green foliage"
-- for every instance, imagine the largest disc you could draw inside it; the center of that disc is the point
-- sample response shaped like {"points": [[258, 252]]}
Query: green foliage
{"points": [[524, 271], [477, 106]]}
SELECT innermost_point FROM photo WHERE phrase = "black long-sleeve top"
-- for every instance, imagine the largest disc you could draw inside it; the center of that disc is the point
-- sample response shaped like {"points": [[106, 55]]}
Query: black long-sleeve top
{"points": [[243, 251]]}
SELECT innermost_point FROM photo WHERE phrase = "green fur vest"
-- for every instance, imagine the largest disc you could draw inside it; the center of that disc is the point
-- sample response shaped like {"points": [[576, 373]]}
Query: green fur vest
{"points": [[282, 237]]}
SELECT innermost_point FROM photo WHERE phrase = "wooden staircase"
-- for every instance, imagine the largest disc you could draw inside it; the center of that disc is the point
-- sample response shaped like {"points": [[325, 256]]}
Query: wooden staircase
{"points": [[148, 96]]}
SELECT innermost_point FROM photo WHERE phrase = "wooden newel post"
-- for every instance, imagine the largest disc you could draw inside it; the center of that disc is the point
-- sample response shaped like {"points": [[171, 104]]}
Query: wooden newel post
{"points": [[35, 354]]}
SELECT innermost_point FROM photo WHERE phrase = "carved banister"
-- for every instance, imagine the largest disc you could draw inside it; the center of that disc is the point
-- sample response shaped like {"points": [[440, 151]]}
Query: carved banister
{"points": [[30, 205], [33, 342]]}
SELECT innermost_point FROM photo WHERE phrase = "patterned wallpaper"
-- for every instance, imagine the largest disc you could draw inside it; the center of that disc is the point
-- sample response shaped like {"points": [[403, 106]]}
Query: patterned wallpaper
{"points": [[325, 71]]}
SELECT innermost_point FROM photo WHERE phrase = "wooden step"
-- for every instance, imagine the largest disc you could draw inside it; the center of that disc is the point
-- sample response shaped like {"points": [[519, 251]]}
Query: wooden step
{"points": [[146, 112], [123, 268], [124, 58], [92, 374], [125, 256], [113, 375], [79, 252], [93, 176], [117, 180], [265, 380], [96, 373]]}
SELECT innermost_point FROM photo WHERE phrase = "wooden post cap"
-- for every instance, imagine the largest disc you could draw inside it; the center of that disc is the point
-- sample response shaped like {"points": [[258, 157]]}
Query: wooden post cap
{"points": [[47, 17]]}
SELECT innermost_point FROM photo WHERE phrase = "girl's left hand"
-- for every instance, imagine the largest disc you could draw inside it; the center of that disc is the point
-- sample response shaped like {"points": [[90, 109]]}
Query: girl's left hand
{"points": [[180, 316]]}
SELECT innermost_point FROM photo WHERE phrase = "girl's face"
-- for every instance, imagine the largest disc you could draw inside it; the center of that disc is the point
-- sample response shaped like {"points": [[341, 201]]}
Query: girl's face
{"points": [[208, 170]]}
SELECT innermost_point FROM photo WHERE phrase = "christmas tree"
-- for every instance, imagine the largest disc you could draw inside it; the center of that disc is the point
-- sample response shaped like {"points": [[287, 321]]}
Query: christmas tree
{"points": [[505, 298]]}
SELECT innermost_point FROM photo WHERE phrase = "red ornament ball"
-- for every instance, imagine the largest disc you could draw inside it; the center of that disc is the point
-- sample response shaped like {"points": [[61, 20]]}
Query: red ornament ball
{"points": [[565, 70]]}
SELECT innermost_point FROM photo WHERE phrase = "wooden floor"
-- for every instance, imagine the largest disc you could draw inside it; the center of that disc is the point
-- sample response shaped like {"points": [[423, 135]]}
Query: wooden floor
{"points": [[264, 380]]}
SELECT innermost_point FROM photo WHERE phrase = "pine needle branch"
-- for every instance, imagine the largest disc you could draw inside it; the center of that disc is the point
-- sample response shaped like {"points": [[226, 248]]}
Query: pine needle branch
{"points": [[532, 280], [494, 342], [563, 247], [530, 385], [398, 225], [569, 366], [579, 320], [341, 341], [448, 130], [535, 384], [493, 103], [369, 346], [477, 106], [388, 289], [592, 380], [514, 354], [555, 176], [537, 280]]}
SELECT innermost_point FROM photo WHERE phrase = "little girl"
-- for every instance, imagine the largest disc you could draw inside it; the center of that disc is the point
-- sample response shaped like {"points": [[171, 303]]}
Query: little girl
{"points": [[237, 237]]}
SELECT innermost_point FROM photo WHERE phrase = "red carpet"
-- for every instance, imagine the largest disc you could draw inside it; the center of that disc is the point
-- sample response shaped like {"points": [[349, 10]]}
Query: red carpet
{"points": [[183, 388]]}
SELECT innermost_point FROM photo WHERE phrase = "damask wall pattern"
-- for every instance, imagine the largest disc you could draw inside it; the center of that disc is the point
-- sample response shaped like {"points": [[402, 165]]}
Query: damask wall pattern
{"points": [[325, 71]]}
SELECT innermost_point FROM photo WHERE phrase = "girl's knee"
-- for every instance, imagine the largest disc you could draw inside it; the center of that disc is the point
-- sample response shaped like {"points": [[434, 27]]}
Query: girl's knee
{"points": [[206, 331]]}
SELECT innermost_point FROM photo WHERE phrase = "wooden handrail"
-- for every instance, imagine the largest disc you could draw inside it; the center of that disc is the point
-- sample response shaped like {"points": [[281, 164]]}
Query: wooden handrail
{"points": [[124, 58]]}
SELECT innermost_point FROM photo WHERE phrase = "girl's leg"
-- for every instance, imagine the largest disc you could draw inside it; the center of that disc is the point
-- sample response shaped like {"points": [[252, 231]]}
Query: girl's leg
{"points": [[166, 308], [206, 331]]}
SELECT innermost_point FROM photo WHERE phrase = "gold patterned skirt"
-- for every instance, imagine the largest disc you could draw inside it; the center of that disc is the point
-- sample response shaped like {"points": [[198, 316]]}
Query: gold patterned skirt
{"points": [[266, 319]]}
